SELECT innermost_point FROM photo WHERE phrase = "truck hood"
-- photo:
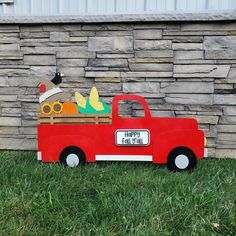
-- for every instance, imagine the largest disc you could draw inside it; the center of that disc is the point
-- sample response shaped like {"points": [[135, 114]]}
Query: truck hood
{"points": [[175, 123]]}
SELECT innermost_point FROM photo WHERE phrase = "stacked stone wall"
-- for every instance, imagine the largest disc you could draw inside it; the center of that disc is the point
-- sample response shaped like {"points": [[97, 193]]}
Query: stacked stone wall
{"points": [[182, 69]]}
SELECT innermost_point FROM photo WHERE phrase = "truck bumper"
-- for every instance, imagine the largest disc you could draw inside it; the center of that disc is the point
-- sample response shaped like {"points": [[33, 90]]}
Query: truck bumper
{"points": [[205, 152], [39, 156]]}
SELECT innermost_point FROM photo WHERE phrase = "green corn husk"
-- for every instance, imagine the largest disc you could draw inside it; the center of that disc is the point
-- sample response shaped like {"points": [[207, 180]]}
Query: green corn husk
{"points": [[90, 110]]}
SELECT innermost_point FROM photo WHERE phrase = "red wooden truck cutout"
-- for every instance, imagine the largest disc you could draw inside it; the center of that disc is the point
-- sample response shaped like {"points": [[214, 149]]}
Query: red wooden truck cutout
{"points": [[74, 140]]}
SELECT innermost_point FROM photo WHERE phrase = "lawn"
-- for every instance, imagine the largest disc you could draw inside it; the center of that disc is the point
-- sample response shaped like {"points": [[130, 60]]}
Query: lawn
{"points": [[115, 198]]}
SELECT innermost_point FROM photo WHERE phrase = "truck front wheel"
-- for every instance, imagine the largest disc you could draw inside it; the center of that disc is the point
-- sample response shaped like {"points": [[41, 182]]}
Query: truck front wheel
{"points": [[181, 159], [72, 157]]}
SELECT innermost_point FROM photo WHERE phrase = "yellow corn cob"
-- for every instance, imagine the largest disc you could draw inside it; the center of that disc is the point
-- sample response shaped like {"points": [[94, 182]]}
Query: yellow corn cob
{"points": [[94, 100], [81, 101], [93, 97], [97, 106]]}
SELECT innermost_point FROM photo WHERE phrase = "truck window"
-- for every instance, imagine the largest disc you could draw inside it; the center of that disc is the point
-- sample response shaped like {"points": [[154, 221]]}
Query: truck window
{"points": [[130, 109]]}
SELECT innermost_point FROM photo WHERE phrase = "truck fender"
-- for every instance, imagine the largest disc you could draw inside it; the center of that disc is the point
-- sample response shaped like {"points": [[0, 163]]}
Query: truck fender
{"points": [[167, 141], [54, 145]]}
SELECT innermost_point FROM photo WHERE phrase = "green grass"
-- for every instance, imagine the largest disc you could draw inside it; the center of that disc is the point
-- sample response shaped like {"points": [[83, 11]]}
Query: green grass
{"points": [[115, 198]]}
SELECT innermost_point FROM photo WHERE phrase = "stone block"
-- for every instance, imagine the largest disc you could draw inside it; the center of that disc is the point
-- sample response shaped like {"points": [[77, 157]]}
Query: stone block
{"points": [[187, 87], [190, 34], [225, 99], [141, 87], [184, 39], [201, 99], [8, 98], [150, 67], [188, 55], [37, 42], [18, 144], [226, 153], [215, 71], [212, 120], [7, 104], [151, 60], [106, 88], [39, 72], [108, 80], [74, 52], [146, 74], [101, 74], [78, 39], [28, 130], [148, 34], [154, 25], [227, 120], [11, 62], [187, 46], [80, 33], [9, 130], [152, 44], [40, 60], [88, 68], [31, 28], [226, 138], [220, 47], [72, 62], [59, 36], [111, 44], [72, 71], [113, 33], [61, 27], [108, 63], [163, 113], [11, 55], [9, 47], [198, 62], [224, 86], [219, 42], [9, 28], [229, 110], [39, 50], [9, 38], [12, 90], [227, 128], [11, 110], [115, 55], [206, 26], [154, 53], [231, 78], [29, 35], [107, 27], [16, 82], [10, 121]]}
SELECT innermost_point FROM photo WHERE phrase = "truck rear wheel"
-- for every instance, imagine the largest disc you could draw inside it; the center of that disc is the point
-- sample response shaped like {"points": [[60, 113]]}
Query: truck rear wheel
{"points": [[72, 157], [181, 159]]}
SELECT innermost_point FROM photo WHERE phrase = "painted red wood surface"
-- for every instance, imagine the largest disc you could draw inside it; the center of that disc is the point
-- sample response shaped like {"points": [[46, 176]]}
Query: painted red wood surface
{"points": [[99, 139]]}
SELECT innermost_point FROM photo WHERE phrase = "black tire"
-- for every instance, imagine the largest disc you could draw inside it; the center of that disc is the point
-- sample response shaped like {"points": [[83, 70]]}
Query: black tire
{"points": [[181, 159], [72, 157]]}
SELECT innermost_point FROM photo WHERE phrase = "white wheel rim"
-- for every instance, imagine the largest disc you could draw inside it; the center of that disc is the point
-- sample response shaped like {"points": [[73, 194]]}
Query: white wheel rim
{"points": [[182, 161], [72, 160]]}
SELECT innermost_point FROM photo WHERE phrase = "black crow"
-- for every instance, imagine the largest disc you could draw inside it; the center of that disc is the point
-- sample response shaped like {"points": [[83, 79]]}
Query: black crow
{"points": [[57, 78]]}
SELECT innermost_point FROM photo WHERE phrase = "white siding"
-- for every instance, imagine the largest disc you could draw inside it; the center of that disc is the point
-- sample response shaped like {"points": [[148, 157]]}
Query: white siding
{"points": [[91, 7]]}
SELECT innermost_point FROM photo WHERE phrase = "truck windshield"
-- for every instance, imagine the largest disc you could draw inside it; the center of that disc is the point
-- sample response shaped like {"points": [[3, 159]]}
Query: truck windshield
{"points": [[130, 109]]}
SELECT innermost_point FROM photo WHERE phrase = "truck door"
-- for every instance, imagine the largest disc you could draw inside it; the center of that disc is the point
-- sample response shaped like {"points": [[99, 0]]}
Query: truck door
{"points": [[129, 138]]}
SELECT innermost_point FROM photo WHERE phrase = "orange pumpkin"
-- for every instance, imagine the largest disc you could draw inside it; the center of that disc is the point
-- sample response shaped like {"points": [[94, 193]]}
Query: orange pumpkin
{"points": [[69, 108]]}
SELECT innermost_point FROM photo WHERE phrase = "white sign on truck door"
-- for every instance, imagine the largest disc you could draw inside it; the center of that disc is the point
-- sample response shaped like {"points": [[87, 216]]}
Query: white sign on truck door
{"points": [[132, 137]]}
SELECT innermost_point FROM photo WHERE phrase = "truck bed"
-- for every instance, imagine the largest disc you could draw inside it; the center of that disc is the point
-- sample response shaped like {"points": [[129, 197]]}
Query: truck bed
{"points": [[75, 119]]}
